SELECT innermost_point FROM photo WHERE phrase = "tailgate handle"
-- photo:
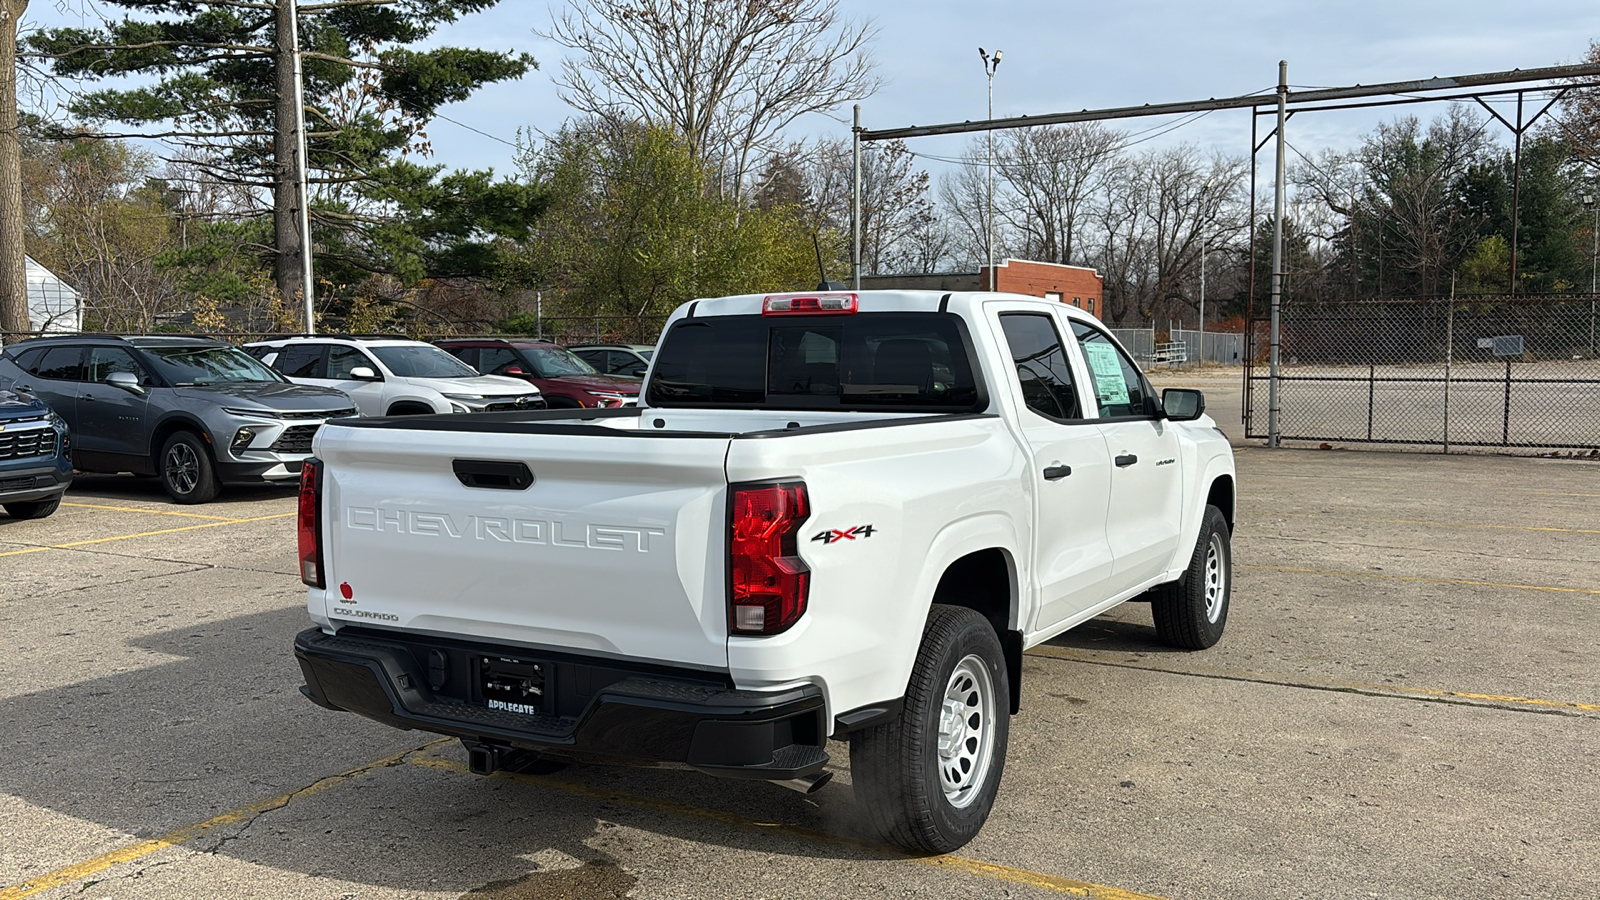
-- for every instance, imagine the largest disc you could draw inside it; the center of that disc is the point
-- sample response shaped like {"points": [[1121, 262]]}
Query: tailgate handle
{"points": [[489, 473]]}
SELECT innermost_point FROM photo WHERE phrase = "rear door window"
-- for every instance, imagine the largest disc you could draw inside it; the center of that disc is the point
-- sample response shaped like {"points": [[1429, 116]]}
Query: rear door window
{"points": [[868, 361], [1043, 370], [61, 364], [301, 361]]}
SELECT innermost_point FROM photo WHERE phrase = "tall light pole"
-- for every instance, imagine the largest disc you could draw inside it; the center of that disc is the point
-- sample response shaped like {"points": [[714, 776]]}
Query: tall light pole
{"points": [[989, 67], [303, 171]]}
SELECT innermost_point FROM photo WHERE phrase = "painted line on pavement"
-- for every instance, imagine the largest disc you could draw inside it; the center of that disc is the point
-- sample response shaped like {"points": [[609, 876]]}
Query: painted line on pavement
{"points": [[1335, 574], [104, 861], [153, 512], [142, 534], [1442, 524], [1068, 886], [1465, 698]]}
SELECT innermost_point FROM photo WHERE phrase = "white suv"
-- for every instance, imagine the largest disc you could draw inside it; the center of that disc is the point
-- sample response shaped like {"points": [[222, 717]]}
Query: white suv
{"points": [[394, 376]]}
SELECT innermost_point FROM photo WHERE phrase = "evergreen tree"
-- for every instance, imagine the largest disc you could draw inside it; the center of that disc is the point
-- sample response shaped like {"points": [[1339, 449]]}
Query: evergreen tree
{"points": [[224, 89]]}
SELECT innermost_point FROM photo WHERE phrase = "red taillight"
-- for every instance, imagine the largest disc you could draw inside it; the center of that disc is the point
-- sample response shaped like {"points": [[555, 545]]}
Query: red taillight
{"points": [[310, 523], [808, 304], [769, 581]]}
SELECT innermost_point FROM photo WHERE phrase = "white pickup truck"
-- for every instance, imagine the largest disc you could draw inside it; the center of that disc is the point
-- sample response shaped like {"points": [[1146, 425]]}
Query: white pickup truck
{"points": [[832, 515]]}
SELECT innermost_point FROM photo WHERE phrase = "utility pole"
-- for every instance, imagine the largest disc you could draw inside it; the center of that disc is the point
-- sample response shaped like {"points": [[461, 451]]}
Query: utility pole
{"points": [[1277, 258], [302, 169], [989, 68]]}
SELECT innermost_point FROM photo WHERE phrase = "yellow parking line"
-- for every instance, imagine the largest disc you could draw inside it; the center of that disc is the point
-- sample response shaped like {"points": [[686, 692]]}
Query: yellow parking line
{"points": [[1443, 524], [129, 537], [187, 833], [1068, 886], [1333, 574], [153, 512], [1301, 681]]}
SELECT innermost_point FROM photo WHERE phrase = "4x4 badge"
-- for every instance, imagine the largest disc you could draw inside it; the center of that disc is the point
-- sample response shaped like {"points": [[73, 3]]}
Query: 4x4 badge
{"points": [[833, 535]]}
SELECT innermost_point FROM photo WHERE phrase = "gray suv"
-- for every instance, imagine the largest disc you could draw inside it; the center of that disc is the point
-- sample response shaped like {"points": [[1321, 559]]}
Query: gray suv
{"points": [[195, 412]]}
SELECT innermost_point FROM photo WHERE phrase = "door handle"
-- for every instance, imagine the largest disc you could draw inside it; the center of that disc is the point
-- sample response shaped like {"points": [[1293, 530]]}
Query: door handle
{"points": [[1056, 473], [86, 397], [1126, 460]]}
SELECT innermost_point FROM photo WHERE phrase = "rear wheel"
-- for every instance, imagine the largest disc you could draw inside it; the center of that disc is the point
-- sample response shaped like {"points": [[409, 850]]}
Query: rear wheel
{"points": [[33, 509], [1193, 611], [186, 469], [928, 778]]}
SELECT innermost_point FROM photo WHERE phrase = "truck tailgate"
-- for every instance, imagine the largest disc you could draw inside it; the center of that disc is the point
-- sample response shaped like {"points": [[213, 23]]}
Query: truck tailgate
{"points": [[617, 547]]}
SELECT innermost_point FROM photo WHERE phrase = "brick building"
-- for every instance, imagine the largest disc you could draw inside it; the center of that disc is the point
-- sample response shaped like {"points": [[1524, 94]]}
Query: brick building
{"points": [[1076, 285]]}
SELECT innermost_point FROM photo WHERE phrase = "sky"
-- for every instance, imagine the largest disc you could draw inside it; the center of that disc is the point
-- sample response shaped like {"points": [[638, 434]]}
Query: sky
{"points": [[1062, 56]]}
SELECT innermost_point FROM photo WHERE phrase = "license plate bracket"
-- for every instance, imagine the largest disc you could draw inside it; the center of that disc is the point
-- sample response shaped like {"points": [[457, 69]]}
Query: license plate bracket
{"points": [[509, 684]]}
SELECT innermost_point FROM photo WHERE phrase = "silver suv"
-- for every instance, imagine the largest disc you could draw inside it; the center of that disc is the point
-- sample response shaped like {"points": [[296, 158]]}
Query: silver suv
{"points": [[195, 412]]}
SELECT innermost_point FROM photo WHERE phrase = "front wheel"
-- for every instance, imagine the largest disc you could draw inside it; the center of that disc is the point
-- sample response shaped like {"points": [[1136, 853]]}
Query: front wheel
{"points": [[928, 778], [1193, 611], [186, 469], [33, 509]]}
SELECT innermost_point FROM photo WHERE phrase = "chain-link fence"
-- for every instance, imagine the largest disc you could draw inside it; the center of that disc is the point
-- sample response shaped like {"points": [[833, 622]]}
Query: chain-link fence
{"points": [[1182, 347], [1493, 372]]}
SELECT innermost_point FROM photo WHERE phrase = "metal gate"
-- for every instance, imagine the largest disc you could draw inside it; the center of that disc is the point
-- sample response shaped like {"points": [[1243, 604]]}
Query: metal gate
{"points": [[1485, 372]]}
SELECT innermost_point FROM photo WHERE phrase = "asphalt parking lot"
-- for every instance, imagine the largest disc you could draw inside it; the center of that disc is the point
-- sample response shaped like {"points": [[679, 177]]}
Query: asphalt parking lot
{"points": [[1406, 705]]}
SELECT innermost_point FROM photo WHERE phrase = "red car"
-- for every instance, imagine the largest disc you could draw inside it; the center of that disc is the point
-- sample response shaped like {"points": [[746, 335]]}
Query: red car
{"points": [[563, 378]]}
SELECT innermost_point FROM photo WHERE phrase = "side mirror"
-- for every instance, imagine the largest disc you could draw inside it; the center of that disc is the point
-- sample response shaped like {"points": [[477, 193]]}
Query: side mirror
{"points": [[363, 373], [126, 381], [1183, 404]]}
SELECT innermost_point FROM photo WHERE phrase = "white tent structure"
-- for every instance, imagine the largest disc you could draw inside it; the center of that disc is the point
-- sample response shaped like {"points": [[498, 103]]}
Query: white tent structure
{"points": [[53, 305]]}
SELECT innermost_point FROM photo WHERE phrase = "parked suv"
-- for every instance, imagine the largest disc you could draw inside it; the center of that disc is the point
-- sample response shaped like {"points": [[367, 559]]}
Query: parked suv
{"points": [[394, 376], [35, 457], [196, 412], [564, 379], [630, 360]]}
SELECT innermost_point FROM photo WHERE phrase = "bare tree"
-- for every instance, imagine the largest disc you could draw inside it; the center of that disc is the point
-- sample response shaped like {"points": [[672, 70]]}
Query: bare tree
{"points": [[964, 199], [1049, 175], [730, 75]]}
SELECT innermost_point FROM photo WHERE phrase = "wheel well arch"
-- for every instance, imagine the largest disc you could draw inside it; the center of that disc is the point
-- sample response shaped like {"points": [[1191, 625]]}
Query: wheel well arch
{"points": [[408, 408], [985, 581], [1221, 495], [165, 429]]}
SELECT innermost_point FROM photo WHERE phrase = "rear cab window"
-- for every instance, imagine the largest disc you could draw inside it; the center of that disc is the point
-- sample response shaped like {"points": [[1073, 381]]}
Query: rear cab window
{"points": [[902, 362]]}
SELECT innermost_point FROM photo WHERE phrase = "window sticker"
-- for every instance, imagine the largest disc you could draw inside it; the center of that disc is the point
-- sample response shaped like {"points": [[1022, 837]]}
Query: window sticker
{"points": [[1110, 387]]}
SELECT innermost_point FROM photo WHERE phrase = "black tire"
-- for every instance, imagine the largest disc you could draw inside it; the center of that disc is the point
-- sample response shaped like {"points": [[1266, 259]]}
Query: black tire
{"points": [[1193, 611], [898, 768], [33, 509], [186, 469]]}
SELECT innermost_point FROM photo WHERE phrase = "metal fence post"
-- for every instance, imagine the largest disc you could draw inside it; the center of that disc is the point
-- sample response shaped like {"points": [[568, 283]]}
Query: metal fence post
{"points": [[1449, 356], [1277, 256], [1505, 423], [1372, 383]]}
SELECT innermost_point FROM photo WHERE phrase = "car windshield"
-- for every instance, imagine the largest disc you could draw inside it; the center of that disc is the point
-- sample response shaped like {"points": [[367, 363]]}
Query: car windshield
{"points": [[422, 361], [555, 362], [208, 365]]}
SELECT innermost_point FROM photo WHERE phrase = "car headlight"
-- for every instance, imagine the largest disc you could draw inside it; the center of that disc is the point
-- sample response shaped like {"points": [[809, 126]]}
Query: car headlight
{"points": [[459, 407], [242, 439], [475, 398], [252, 413]]}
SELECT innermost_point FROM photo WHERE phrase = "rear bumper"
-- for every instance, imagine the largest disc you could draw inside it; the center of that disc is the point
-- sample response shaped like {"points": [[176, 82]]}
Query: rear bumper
{"points": [[596, 709], [22, 485]]}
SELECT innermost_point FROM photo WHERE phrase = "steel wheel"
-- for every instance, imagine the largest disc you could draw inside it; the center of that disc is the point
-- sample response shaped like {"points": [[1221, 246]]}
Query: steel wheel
{"points": [[183, 468], [1216, 578], [966, 731]]}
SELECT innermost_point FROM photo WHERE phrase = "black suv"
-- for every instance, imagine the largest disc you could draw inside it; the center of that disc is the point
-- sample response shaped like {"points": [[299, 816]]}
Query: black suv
{"points": [[194, 411]]}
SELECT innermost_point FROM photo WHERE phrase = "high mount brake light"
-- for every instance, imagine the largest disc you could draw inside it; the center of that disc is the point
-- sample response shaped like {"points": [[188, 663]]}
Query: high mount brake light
{"points": [[769, 582], [808, 305], [310, 523]]}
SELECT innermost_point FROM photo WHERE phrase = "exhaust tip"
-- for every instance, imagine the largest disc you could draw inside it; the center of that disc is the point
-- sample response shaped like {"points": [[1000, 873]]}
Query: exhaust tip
{"points": [[807, 784]]}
